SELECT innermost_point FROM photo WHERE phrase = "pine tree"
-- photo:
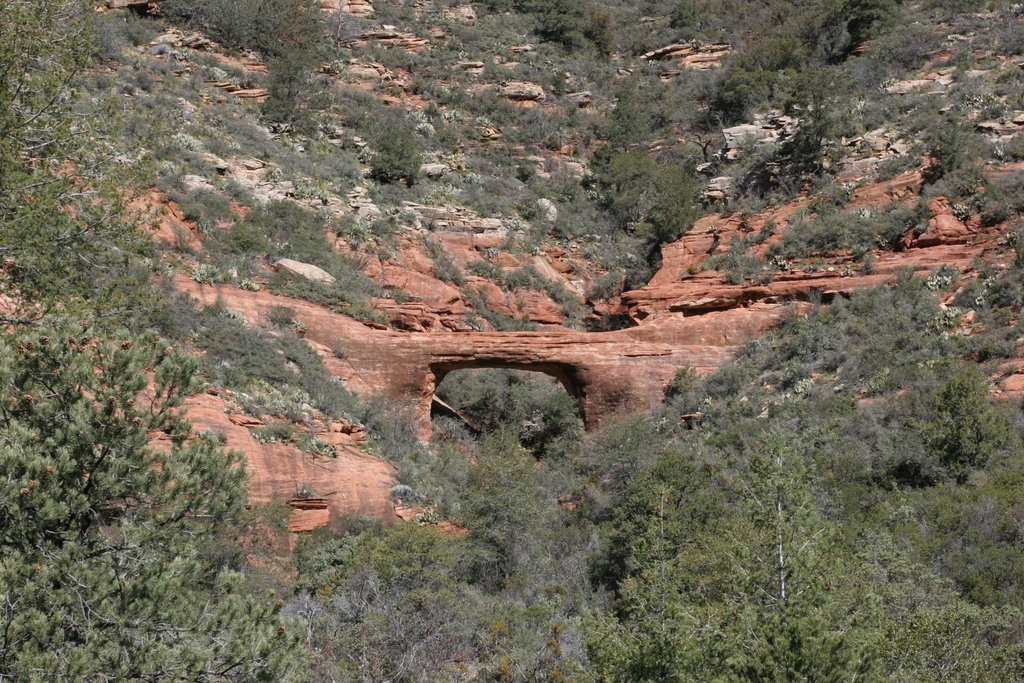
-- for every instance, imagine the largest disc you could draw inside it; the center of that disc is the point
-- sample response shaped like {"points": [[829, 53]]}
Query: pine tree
{"points": [[104, 540], [967, 430], [757, 602], [59, 228], [784, 623], [397, 153]]}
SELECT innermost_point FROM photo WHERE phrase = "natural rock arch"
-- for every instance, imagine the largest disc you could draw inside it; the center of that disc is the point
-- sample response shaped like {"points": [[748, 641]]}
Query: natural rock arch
{"points": [[606, 373]]}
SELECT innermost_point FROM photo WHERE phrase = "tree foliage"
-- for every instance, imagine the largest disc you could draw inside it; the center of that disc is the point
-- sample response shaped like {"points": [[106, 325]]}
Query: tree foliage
{"points": [[275, 28], [658, 202], [397, 152], [754, 603], [966, 430], [103, 572], [60, 232]]}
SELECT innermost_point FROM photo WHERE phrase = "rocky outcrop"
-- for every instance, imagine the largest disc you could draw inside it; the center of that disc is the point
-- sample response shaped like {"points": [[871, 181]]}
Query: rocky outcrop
{"points": [[691, 55], [359, 201], [681, 286], [447, 219], [608, 373], [869, 152], [710, 291], [1003, 129], [308, 514], [472, 67], [388, 36], [581, 99], [359, 8], [461, 13], [943, 227], [372, 71], [349, 482], [178, 38], [166, 221], [919, 86], [772, 127], [548, 210], [521, 91], [434, 170], [720, 188]]}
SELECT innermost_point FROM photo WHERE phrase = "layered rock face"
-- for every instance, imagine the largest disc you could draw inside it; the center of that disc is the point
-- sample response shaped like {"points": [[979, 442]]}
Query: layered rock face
{"points": [[685, 317], [607, 372], [682, 287], [319, 489]]}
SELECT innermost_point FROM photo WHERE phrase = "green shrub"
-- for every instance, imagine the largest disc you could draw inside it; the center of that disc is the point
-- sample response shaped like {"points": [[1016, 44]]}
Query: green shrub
{"points": [[859, 232], [444, 268], [658, 202], [292, 95], [684, 16], [536, 408], [273, 433], [397, 153], [967, 430], [499, 321], [272, 27], [94, 515], [316, 446], [350, 296], [951, 148], [865, 19]]}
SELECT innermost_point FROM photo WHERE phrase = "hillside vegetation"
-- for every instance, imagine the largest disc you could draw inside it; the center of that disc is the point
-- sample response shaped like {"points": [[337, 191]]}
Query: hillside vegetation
{"points": [[206, 204]]}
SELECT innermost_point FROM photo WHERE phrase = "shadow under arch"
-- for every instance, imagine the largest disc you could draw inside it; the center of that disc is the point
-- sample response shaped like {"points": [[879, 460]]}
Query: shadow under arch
{"points": [[566, 374]]}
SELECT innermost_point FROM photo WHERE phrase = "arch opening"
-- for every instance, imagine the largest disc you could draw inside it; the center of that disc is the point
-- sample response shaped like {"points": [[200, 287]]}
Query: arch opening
{"points": [[567, 375], [537, 405]]}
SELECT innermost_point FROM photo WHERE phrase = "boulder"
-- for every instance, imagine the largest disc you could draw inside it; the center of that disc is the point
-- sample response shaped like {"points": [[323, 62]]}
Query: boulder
{"points": [[877, 141], [548, 210], [363, 206], [521, 91], [920, 86], [358, 8], [855, 169], [574, 169], [434, 171], [1002, 129], [388, 36], [745, 134], [765, 129], [194, 183], [692, 55], [369, 70], [306, 270], [452, 219], [581, 99], [472, 67], [943, 226]]}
